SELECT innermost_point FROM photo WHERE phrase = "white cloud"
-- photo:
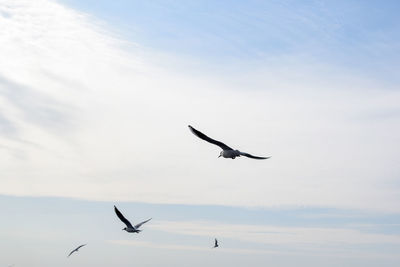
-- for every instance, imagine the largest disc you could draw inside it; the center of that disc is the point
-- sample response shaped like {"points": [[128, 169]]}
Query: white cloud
{"points": [[83, 116]]}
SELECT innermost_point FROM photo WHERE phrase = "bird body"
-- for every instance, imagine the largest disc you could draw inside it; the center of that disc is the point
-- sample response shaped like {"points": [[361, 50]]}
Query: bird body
{"points": [[131, 230], [129, 227], [216, 243], [227, 152]]}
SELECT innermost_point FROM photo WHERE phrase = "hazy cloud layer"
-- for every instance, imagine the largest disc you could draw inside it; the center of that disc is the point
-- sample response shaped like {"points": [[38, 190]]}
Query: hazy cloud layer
{"points": [[86, 114]]}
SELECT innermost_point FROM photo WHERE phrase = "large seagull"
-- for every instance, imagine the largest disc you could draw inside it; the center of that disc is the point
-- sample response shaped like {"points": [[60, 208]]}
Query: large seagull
{"points": [[226, 152], [129, 227]]}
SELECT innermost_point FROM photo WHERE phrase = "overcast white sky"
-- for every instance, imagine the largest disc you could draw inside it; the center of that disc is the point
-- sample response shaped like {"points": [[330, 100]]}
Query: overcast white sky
{"points": [[95, 99]]}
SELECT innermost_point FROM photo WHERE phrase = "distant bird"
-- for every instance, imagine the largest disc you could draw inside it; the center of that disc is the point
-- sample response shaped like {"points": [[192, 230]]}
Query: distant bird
{"points": [[75, 250], [129, 228], [226, 152], [216, 243]]}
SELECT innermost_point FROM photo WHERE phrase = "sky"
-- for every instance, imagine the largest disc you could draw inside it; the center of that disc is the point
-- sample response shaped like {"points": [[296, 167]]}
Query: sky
{"points": [[96, 96]]}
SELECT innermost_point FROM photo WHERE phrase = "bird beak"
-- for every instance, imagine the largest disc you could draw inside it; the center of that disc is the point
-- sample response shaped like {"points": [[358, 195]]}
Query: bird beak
{"points": [[219, 156]]}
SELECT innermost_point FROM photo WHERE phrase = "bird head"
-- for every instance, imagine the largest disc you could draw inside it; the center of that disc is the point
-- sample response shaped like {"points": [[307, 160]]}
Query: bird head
{"points": [[125, 229], [220, 154]]}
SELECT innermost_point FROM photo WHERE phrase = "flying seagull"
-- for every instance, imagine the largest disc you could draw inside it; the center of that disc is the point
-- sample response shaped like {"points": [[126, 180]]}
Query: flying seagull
{"points": [[216, 243], [129, 228], [75, 250], [226, 152]]}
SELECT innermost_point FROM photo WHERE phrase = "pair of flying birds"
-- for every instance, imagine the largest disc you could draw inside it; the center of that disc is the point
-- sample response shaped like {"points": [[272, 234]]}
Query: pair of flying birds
{"points": [[227, 152], [129, 227], [135, 229]]}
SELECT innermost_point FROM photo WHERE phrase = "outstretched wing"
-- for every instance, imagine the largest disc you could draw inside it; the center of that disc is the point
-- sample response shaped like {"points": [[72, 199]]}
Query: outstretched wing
{"points": [[208, 139], [71, 252], [140, 224], [251, 156], [80, 246], [122, 218]]}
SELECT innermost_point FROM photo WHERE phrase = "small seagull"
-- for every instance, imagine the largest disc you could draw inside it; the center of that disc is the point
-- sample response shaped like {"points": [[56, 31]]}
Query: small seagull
{"points": [[216, 243], [226, 152], [129, 228], [75, 250]]}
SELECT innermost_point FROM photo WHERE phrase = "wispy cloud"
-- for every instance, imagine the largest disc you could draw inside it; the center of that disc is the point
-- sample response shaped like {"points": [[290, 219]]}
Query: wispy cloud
{"points": [[101, 118], [268, 239], [321, 251], [158, 245], [35, 107], [268, 234]]}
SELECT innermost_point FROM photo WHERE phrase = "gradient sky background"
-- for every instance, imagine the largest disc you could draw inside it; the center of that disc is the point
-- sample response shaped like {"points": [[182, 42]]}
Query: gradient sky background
{"points": [[96, 96]]}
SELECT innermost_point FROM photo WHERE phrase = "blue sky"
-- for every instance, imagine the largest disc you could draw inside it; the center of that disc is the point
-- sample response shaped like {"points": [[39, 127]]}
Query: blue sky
{"points": [[360, 36], [96, 96]]}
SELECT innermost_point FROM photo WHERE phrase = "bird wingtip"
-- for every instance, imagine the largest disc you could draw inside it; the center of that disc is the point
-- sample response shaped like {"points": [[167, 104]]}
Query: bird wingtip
{"points": [[193, 130]]}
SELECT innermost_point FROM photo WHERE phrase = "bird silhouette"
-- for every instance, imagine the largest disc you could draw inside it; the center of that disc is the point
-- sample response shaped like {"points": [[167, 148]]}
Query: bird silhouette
{"points": [[227, 152], [129, 227]]}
